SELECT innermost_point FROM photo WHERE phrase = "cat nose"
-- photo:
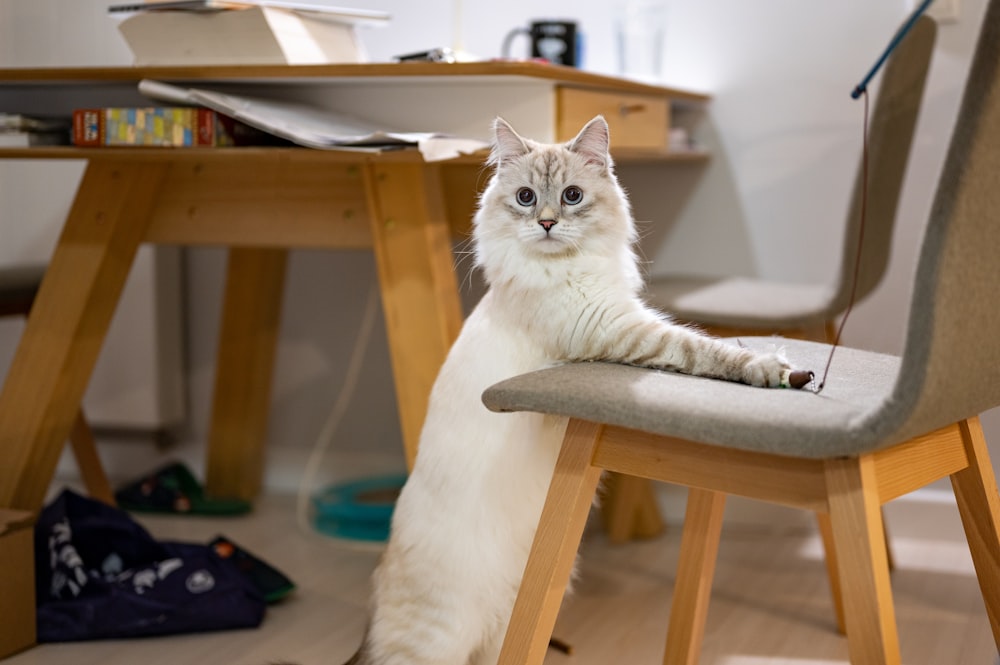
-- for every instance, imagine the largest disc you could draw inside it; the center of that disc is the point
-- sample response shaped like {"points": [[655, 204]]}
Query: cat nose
{"points": [[547, 224]]}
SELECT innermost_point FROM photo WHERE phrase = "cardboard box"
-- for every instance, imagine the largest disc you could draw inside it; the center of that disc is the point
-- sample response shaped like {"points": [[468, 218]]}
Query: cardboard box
{"points": [[17, 581], [253, 36]]}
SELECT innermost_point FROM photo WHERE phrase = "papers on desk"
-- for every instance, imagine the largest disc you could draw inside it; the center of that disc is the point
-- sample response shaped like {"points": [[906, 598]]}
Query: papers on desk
{"points": [[256, 32], [340, 13], [312, 126]]}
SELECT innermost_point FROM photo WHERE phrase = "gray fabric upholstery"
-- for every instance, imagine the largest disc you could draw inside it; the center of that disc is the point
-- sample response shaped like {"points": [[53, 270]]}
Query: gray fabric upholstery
{"points": [[744, 302], [952, 350], [768, 306], [950, 368], [791, 422]]}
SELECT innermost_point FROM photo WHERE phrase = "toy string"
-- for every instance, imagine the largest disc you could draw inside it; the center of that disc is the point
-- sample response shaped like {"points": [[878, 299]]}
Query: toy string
{"points": [[862, 90], [861, 240]]}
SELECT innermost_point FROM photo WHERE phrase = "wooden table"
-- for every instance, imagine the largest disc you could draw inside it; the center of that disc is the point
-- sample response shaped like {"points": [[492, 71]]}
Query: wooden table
{"points": [[261, 202]]}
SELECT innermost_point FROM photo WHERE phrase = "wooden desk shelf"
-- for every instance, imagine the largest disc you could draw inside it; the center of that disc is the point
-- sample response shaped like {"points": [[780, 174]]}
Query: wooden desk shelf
{"points": [[545, 102]]}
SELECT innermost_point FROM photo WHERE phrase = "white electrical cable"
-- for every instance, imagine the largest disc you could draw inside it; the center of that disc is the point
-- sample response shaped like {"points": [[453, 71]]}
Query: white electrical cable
{"points": [[340, 404]]}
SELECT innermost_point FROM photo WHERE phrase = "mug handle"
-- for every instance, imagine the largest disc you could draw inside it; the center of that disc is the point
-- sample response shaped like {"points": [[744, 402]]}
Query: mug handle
{"points": [[509, 39]]}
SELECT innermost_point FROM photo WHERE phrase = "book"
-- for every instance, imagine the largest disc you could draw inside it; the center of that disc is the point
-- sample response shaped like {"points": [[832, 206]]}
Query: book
{"points": [[256, 35], [176, 127]]}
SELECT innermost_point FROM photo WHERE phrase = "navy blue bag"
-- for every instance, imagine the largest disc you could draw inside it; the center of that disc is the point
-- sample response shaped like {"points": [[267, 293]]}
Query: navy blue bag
{"points": [[99, 574]]}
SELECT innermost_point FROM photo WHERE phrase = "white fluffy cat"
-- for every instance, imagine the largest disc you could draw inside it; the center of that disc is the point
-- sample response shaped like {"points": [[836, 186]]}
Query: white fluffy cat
{"points": [[554, 236]]}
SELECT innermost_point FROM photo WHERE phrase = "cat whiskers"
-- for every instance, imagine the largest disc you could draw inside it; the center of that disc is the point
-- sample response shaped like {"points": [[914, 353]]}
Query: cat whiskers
{"points": [[643, 230], [463, 251], [484, 171]]}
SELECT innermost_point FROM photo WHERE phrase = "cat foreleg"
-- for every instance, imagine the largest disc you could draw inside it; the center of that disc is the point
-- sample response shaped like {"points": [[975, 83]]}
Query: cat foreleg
{"points": [[645, 339]]}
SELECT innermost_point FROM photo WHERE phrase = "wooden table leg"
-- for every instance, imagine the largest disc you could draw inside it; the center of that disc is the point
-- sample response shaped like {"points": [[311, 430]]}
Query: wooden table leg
{"points": [[245, 360], [84, 447], [416, 273], [68, 322]]}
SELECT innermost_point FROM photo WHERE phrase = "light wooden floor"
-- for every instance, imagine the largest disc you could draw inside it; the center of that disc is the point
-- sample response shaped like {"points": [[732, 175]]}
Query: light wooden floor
{"points": [[770, 603]]}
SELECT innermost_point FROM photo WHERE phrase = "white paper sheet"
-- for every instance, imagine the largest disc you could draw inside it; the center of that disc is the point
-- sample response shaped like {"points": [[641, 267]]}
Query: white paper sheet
{"points": [[312, 126]]}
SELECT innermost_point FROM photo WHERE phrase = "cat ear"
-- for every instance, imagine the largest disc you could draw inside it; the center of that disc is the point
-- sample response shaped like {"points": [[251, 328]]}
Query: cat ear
{"points": [[507, 144], [592, 142]]}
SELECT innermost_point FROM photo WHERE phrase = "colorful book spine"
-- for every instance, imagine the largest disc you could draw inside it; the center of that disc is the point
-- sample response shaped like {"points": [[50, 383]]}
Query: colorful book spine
{"points": [[175, 127]]}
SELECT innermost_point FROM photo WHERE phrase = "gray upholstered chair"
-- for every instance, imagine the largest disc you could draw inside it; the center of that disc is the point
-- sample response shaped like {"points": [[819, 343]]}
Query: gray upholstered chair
{"points": [[18, 286], [737, 306], [730, 306], [883, 426]]}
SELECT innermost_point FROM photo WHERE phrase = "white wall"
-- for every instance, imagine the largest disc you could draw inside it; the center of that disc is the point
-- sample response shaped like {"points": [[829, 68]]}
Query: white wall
{"points": [[784, 134], [131, 387]]}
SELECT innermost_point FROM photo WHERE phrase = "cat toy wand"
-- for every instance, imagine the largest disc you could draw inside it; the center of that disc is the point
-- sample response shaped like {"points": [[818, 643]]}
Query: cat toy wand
{"points": [[905, 28], [859, 90]]}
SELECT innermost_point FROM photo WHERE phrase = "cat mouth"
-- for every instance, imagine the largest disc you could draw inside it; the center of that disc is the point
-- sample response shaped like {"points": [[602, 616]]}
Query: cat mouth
{"points": [[552, 243]]}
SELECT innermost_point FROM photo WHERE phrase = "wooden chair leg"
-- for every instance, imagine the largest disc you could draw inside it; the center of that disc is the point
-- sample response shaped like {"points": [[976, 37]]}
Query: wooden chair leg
{"points": [[862, 562], [828, 335], [695, 570], [629, 508], [648, 522], [979, 505], [84, 448], [830, 556], [553, 552]]}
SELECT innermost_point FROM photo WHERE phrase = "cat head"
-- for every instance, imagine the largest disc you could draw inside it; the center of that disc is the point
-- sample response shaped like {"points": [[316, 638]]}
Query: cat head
{"points": [[551, 202]]}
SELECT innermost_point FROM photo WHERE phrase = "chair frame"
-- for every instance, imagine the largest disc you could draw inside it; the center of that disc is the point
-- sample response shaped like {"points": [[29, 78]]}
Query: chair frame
{"points": [[849, 490]]}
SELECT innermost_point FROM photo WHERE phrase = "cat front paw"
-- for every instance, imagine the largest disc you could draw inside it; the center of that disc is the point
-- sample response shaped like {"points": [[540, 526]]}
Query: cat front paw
{"points": [[772, 370], [767, 370]]}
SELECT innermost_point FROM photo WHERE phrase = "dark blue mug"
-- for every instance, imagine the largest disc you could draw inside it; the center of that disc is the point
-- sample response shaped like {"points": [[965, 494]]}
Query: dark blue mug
{"points": [[555, 41]]}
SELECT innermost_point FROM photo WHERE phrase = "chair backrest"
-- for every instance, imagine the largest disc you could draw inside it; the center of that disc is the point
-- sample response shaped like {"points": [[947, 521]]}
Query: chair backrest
{"points": [[893, 121], [951, 360]]}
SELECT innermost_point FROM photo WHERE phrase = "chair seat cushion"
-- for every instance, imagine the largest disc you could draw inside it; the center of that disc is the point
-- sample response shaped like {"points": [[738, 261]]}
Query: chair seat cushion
{"points": [[798, 423], [743, 302]]}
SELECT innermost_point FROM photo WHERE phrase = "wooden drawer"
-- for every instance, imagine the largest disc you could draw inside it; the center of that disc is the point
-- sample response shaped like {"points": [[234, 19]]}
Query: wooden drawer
{"points": [[635, 120]]}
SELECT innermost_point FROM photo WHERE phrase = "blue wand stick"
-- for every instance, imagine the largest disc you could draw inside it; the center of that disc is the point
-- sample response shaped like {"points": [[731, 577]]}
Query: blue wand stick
{"points": [[861, 87]]}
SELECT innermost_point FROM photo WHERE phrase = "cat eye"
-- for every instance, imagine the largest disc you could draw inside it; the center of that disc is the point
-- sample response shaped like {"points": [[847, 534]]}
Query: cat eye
{"points": [[572, 195], [525, 196]]}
